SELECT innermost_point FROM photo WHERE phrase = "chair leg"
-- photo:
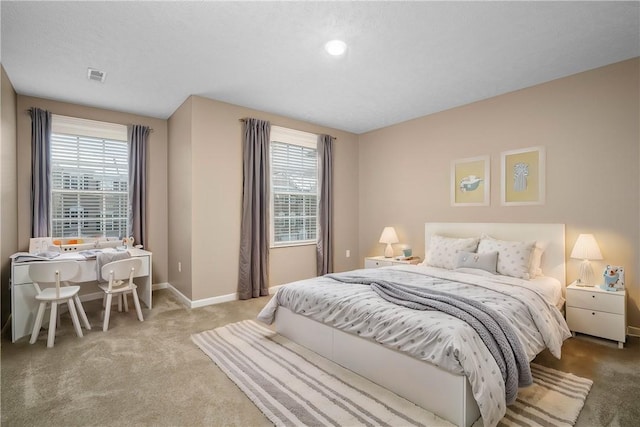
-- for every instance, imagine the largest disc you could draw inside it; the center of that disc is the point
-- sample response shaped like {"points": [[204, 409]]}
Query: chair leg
{"points": [[74, 317], [52, 324], [126, 303], [107, 313], [83, 315], [136, 302], [119, 303], [38, 324]]}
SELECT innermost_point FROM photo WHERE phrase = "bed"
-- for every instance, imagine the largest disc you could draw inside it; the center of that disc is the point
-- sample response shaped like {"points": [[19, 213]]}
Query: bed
{"points": [[425, 355]]}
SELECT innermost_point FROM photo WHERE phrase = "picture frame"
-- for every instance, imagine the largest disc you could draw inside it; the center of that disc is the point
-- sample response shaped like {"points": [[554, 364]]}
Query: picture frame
{"points": [[523, 177], [471, 181], [613, 278]]}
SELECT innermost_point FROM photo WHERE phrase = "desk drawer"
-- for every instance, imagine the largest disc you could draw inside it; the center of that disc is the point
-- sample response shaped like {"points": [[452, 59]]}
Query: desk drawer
{"points": [[87, 271]]}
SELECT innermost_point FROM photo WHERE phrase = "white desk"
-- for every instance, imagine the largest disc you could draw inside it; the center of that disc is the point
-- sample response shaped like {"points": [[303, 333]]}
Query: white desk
{"points": [[24, 305]]}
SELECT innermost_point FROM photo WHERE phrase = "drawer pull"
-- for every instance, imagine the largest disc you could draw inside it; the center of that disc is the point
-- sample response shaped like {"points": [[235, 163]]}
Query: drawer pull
{"points": [[593, 314], [593, 296]]}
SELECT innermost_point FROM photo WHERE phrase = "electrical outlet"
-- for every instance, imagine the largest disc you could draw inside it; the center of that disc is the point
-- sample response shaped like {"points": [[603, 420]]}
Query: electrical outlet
{"points": [[179, 267], [348, 254]]}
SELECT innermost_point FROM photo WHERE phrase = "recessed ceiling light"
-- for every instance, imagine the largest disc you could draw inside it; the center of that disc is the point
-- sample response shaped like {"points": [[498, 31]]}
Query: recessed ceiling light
{"points": [[335, 47], [96, 75]]}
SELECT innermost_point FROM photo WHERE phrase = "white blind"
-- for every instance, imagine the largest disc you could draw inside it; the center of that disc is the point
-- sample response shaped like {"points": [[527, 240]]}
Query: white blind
{"points": [[89, 196], [294, 190]]}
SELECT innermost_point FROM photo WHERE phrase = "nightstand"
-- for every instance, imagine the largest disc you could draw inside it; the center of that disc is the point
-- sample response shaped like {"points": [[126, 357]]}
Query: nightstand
{"points": [[380, 261], [594, 311]]}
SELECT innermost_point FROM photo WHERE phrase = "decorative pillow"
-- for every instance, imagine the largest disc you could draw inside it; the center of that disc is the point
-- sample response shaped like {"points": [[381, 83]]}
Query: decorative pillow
{"points": [[487, 261], [513, 257], [536, 261], [443, 251]]}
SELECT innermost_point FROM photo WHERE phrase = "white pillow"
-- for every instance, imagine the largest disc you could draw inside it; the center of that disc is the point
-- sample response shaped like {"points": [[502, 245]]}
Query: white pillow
{"points": [[443, 251], [514, 257], [536, 261]]}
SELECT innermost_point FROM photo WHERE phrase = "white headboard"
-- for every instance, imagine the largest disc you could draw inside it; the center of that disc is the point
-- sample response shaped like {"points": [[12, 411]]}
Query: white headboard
{"points": [[548, 236]]}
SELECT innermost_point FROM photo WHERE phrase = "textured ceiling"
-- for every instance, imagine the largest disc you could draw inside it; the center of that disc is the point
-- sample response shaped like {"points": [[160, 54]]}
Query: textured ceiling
{"points": [[404, 60]]}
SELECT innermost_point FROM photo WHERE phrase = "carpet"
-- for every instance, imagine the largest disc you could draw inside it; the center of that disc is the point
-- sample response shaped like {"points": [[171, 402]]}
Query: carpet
{"points": [[294, 386]]}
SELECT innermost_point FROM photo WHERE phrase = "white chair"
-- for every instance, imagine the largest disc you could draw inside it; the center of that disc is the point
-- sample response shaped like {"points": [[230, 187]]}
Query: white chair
{"points": [[116, 273], [55, 272]]}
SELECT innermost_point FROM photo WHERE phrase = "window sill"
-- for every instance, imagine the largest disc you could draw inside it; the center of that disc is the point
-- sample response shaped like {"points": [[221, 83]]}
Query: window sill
{"points": [[292, 244]]}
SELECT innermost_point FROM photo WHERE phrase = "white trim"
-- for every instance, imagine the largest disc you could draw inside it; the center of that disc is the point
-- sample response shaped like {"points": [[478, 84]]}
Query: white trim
{"points": [[156, 286], [633, 331], [207, 301]]}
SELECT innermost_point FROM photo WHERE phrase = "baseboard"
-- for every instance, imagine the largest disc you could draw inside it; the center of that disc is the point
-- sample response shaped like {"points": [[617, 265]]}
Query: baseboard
{"points": [[201, 302], [207, 301], [156, 286], [633, 331]]}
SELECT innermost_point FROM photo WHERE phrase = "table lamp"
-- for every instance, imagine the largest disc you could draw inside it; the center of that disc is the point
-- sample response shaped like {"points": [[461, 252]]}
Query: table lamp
{"points": [[389, 237], [586, 249]]}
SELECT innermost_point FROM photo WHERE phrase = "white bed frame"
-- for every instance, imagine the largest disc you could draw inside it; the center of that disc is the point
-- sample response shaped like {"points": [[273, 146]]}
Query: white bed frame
{"points": [[446, 395]]}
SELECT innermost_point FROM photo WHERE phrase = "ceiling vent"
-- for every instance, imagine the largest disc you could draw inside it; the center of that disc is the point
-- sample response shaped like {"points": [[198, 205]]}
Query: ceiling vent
{"points": [[96, 75]]}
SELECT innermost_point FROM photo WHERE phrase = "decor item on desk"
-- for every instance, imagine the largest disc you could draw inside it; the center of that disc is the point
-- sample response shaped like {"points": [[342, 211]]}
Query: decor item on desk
{"points": [[586, 249], [128, 242], [523, 177], [470, 181], [389, 237], [613, 278], [407, 252]]}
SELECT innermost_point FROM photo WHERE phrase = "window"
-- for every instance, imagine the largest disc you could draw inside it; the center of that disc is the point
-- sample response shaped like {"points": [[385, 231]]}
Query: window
{"points": [[89, 178], [294, 187]]}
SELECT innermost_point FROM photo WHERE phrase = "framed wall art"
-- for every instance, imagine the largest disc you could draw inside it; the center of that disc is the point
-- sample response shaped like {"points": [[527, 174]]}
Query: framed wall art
{"points": [[470, 181], [523, 177]]}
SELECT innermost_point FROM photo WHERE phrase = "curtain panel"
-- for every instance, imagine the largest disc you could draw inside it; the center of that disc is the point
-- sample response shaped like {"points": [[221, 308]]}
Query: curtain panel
{"points": [[40, 172], [138, 136], [324, 246], [253, 277]]}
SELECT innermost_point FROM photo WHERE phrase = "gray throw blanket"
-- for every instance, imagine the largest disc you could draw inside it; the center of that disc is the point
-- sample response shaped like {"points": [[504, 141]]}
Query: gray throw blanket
{"points": [[494, 329], [103, 258]]}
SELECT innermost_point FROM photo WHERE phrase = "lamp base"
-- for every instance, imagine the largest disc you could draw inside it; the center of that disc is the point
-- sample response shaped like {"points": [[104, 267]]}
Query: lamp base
{"points": [[586, 277], [388, 251]]}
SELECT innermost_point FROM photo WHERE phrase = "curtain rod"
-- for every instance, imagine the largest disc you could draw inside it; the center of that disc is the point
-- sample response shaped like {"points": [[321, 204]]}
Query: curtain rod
{"points": [[244, 120], [28, 111]]}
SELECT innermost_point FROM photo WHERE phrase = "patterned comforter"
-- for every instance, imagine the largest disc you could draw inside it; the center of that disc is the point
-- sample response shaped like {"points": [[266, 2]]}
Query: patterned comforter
{"points": [[432, 336]]}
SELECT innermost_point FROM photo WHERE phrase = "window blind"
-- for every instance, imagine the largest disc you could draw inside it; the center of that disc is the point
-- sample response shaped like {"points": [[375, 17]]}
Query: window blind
{"points": [[89, 186], [294, 185]]}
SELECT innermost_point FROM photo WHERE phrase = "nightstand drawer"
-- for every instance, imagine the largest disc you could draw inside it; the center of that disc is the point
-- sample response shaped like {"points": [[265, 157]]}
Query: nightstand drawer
{"points": [[594, 300], [375, 263], [597, 323]]}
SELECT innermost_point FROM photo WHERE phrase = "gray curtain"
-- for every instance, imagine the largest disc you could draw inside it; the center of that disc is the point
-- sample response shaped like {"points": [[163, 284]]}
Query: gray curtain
{"points": [[137, 182], [324, 247], [253, 277], [40, 172]]}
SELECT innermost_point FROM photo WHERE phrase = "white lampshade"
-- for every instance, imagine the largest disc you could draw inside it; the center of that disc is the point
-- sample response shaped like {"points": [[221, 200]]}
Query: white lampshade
{"points": [[389, 237], [586, 248]]}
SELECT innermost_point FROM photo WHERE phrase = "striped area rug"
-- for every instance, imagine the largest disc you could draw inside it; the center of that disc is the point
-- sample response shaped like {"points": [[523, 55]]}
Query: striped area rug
{"points": [[294, 386]]}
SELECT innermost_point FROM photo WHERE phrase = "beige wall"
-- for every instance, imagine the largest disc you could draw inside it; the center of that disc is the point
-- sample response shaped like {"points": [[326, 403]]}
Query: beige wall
{"points": [[216, 172], [156, 171], [9, 188], [587, 122], [180, 198]]}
